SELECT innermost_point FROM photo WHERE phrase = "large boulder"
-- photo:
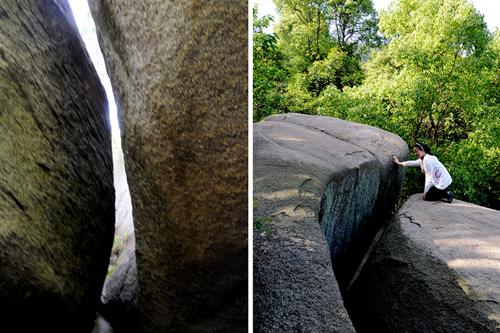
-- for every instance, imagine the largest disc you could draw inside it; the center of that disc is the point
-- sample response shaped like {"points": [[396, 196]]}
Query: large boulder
{"points": [[319, 183], [56, 181], [436, 269], [179, 70]]}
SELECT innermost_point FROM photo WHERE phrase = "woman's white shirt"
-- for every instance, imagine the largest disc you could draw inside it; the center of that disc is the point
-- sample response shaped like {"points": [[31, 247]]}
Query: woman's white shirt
{"points": [[435, 172]]}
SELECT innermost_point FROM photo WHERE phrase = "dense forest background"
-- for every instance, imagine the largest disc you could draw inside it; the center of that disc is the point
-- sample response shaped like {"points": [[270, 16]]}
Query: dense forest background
{"points": [[427, 70]]}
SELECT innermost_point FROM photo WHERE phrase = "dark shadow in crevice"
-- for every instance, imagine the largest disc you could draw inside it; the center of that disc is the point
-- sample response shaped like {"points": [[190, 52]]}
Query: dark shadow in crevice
{"points": [[403, 288]]}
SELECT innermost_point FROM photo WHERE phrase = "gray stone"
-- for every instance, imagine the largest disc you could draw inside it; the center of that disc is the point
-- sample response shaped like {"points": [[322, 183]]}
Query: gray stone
{"points": [[102, 326], [179, 71], [436, 269], [317, 189], [56, 181], [119, 297]]}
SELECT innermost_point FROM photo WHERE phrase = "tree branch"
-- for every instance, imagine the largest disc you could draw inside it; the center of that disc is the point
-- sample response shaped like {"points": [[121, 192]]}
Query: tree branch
{"points": [[299, 14]]}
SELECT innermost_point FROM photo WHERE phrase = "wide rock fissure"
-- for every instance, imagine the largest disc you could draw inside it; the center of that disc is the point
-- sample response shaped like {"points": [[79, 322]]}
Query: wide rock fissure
{"points": [[319, 184], [346, 216]]}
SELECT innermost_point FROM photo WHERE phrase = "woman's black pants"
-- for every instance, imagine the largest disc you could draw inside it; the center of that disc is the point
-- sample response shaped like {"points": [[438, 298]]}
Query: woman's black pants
{"points": [[435, 194]]}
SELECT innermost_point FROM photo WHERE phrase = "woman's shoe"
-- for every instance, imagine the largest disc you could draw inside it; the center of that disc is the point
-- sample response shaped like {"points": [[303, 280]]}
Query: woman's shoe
{"points": [[449, 196]]}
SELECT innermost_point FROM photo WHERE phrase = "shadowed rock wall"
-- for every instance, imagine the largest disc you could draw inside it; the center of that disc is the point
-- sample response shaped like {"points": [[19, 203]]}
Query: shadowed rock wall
{"points": [[56, 181]]}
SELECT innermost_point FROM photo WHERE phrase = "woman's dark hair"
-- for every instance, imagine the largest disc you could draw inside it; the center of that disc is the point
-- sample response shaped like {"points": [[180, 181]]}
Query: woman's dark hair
{"points": [[423, 146]]}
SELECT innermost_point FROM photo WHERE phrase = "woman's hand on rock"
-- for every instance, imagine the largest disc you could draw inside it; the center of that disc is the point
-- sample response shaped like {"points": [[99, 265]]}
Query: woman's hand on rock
{"points": [[396, 160]]}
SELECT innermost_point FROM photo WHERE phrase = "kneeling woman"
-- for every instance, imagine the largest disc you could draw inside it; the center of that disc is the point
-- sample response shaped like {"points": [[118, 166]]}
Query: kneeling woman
{"points": [[437, 178]]}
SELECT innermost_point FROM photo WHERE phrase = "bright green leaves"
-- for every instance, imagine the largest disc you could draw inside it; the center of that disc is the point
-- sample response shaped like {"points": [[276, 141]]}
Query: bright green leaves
{"points": [[428, 72], [269, 72], [303, 32], [353, 24], [435, 79], [323, 42]]}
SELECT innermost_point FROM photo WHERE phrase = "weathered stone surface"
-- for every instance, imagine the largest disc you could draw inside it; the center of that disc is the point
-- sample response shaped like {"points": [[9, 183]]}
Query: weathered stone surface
{"points": [[179, 69], [294, 285], [317, 183], [119, 297], [56, 182], [436, 269]]}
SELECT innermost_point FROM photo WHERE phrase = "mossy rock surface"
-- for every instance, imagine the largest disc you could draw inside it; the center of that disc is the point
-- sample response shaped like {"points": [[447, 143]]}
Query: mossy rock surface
{"points": [[56, 184]]}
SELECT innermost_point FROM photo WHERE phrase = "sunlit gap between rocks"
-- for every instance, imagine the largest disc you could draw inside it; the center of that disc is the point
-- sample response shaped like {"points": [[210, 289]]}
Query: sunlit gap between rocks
{"points": [[124, 229]]}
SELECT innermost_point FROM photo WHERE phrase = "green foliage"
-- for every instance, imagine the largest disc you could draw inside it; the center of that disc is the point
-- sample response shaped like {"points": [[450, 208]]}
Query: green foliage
{"points": [[323, 42], [353, 24], [303, 31], [309, 29], [318, 43], [338, 69], [437, 82], [475, 164], [432, 77], [268, 70], [298, 99], [427, 75]]}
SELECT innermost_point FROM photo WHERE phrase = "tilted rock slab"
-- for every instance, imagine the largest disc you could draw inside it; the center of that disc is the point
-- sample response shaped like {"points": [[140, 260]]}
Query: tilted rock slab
{"points": [[436, 269], [179, 69], [56, 181], [318, 183]]}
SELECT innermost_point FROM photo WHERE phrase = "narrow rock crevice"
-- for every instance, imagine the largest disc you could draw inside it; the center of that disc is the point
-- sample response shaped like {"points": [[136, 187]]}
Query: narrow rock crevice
{"points": [[347, 220], [117, 301]]}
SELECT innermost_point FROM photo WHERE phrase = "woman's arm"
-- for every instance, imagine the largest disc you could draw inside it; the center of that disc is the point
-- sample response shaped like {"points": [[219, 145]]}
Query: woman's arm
{"points": [[415, 163], [429, 169]]}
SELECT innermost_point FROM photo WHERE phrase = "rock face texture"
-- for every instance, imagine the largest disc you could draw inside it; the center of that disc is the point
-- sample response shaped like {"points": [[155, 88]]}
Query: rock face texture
{"points": [[56, 181], [436, 269], [119, 297], [318, 184], [179, 69]]}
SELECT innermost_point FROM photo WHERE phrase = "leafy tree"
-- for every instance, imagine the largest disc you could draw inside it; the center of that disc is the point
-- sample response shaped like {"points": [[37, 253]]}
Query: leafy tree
{"points": [[303, 31], [353, 25], [427, 75], [269, 72], [430, 72], [324, 42], [337, 69], [435, 81], [309, 29]]}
